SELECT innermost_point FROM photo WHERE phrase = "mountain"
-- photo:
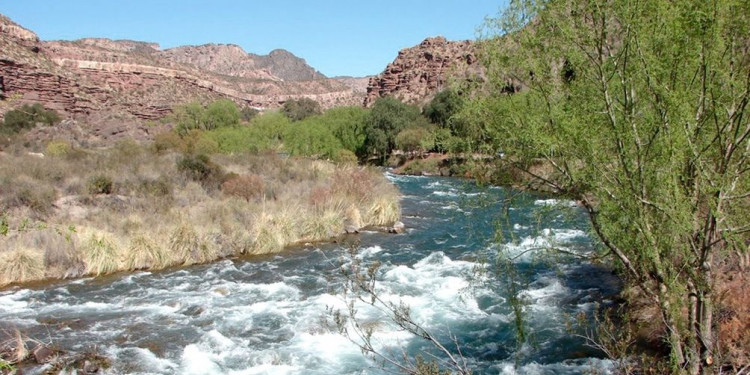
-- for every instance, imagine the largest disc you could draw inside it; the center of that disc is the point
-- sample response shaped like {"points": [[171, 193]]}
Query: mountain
{"points": [[419, 72], [100, 78], [232, 60]]}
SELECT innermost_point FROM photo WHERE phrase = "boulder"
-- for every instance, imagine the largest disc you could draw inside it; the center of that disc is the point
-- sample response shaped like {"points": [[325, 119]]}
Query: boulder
{"points": [[397, 228]]}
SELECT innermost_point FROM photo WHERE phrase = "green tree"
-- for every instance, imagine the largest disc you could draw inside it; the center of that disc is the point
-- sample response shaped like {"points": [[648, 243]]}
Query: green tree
{"points": [[187, 117], [248, 113], [300, 109], [416, 139], [443, 106], [193, 116], [347, 124], [311, 138], [640, 111], [386, 119], [219, 114]]}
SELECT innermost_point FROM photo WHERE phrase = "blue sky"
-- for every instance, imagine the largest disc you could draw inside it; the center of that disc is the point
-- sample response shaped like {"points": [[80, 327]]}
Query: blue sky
{"points": [[337, 37]]}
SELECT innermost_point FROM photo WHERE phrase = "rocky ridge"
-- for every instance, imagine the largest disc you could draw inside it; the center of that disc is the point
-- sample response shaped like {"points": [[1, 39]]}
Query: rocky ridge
{"points": [[137, 80], [419, 72]]}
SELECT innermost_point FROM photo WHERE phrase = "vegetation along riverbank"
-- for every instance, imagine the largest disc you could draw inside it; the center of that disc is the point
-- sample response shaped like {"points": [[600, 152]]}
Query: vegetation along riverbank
{"points": [[69, 211]]}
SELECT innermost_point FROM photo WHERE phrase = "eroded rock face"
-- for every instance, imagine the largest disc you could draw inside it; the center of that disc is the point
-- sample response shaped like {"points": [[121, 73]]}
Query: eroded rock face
{"points": [[131, 79], [418, 73]]}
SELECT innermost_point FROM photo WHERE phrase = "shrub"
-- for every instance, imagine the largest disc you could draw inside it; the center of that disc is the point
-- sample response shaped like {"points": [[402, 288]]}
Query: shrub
{"points": [[27, 117], [417, 139], [300, 109], [187, 245], [159, 187], [100, 184], [220, 114], [201, 169], [247, 113], [143, 253], [38, 198], [344, 156], [247, 187], [58, 148], [165, 141], [311, 138], [347, 124]]}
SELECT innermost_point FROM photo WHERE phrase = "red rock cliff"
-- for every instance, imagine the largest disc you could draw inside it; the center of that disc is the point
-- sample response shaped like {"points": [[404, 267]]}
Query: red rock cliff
{"points": [[418, 73]]}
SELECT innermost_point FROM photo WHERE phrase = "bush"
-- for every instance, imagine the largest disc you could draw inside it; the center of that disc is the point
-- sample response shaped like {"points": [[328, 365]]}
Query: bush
{"points": [[344, 156], [100, 184], [193, 116], [27, 117], [220, 114], [247, 187], [248, 113], [300, 109], [168, 140], [58, 148], [200, 168], [159, 187]]}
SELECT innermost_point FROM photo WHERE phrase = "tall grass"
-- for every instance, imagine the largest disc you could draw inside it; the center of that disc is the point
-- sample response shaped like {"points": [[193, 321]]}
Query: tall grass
{"points": [[21, 265], [153, 211]]}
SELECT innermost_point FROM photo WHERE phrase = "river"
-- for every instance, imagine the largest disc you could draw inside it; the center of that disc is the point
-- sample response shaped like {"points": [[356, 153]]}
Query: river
{"points": [[266, 315]]}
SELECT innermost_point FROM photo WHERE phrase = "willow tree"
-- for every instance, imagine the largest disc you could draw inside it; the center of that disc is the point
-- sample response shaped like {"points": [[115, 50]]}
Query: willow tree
{"points": [[637, 109]]}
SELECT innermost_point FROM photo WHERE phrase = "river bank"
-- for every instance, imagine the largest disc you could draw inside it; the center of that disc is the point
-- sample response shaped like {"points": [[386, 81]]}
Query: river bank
{"points": [[269, 314], [638, 319], [70, 212]]}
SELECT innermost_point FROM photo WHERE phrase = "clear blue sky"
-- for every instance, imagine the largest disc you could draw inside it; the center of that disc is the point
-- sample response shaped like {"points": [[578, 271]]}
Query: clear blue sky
{"points": [[337, 37]]}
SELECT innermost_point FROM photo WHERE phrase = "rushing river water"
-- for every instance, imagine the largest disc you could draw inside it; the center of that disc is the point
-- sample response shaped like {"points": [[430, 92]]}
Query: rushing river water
{"points": [[265, 315]]}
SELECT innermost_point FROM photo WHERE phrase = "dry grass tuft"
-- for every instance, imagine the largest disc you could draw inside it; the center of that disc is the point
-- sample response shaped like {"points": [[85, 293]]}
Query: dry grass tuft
{"points": [[383, 210], [100, 253], [21, 265], [145, 254]]}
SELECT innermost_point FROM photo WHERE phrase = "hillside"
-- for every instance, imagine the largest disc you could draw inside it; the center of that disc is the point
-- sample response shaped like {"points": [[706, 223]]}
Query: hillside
{"points": [[419, 72], [95, 78]]}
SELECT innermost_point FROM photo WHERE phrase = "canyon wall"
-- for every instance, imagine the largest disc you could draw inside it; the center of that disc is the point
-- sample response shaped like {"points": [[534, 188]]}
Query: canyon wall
{"points": [[418, 73]]}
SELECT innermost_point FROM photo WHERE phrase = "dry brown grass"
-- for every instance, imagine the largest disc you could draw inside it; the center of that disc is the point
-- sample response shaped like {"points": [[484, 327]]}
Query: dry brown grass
{"points": [[157, 216], [21, 265]]}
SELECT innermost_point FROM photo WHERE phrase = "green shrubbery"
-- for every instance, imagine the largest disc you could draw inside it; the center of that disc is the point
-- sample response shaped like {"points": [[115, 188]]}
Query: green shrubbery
{"points": [[100, 184], [300, 109], [27, 116], [194, 116], [300, 129]]}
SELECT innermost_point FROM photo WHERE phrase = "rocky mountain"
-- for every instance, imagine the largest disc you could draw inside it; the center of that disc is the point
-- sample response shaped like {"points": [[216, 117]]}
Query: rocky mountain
{"points": [[418, 73], [101, 78], [288, 67], [232, 60]]}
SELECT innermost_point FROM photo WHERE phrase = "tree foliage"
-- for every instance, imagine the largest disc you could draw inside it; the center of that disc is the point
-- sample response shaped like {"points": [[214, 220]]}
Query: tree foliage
{"points": [[194, 116], [387, 118], [443, 106], [640, 111], [27, 116], [300, 109]]}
